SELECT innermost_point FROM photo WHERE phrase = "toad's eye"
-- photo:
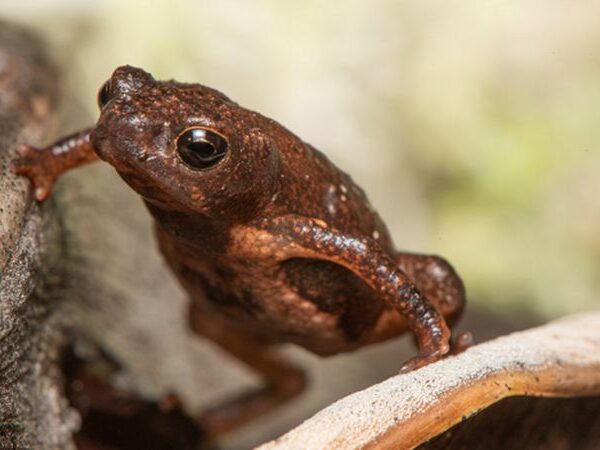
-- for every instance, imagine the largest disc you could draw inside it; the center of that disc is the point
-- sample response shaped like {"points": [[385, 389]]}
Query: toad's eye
{"points": [[104, 94], [200, 148]]}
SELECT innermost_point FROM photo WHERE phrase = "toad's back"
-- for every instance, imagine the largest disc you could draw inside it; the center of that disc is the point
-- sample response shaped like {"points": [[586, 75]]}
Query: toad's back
{"points": [[311, 185]]}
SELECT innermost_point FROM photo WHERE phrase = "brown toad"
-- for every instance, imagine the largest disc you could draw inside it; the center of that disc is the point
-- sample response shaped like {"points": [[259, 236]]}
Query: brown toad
{"points": [[272, 242]]}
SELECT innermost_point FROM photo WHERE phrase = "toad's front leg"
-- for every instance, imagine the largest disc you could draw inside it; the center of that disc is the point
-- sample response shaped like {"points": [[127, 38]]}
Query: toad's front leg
{"points": [[294, 236], [45, 165]]}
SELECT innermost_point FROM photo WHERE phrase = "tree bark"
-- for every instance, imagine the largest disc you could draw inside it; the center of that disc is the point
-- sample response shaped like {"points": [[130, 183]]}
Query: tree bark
{"points": [[33, 411]]}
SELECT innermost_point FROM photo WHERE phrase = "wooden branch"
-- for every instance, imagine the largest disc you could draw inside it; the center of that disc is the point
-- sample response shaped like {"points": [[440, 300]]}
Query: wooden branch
{"points": [[559, 359]]}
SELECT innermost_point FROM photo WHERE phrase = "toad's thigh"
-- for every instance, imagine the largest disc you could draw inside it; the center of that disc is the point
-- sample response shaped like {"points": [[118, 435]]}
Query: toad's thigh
{"points": [[437, 280]]}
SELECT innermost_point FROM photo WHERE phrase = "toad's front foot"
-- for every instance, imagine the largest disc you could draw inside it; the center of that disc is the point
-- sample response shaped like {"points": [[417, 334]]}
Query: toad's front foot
{"points": [[34, 164], [422, 360], [43, 166], [459, 344]]}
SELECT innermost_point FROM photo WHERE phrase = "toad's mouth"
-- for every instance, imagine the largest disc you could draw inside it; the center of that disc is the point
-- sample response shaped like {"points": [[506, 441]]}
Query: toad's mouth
{"points": [[142, 185], [150, 190]]}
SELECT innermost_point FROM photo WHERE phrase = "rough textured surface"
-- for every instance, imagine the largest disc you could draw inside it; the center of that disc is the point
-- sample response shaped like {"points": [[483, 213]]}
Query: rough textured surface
{"points": [[33, 413], [562, 358]]}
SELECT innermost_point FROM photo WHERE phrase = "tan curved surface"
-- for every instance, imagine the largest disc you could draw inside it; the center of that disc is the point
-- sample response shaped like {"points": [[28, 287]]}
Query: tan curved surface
{"points": [[558, 359]]}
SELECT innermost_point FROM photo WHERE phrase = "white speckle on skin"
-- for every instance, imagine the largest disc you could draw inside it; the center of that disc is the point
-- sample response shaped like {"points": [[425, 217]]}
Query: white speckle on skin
{"points": [[343, 188], [437, 272], [331, 199], [375, 234], [196, 193], [343, 198], [306, 177]]}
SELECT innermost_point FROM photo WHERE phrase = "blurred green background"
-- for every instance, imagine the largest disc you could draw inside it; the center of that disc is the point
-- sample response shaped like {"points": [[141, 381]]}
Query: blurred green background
{"points": [[473, 126]]}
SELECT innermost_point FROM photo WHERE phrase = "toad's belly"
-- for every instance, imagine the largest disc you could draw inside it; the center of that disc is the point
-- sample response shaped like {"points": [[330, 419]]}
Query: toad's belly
{"points": [[315, 304]]}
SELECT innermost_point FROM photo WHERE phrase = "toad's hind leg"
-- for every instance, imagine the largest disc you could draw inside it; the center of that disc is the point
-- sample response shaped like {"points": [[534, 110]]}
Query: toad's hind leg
{"points": [[440, 284], [437, 280], [283, 380]]}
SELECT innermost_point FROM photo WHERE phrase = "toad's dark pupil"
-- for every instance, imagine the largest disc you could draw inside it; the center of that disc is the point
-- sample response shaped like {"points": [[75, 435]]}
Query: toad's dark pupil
{"points": [[104, 94], [201, 148]]}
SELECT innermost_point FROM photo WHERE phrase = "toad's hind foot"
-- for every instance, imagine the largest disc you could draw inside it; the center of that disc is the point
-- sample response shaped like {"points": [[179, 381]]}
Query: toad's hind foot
{"points": [[282, 380]]}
